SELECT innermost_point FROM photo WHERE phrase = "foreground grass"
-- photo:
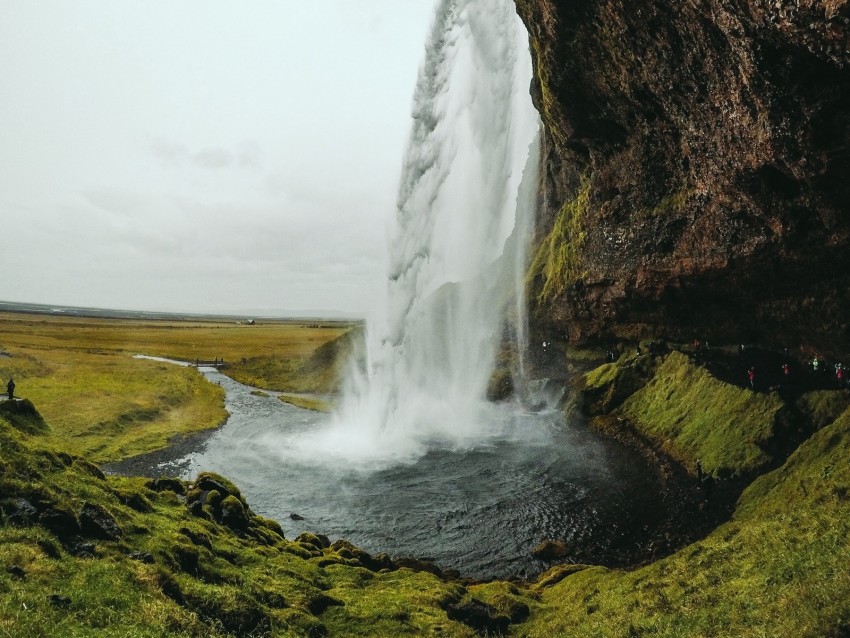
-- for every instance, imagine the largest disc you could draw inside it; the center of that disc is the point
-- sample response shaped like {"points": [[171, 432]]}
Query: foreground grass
{"points": [[177, 559], [102, 403], [779, 568]]}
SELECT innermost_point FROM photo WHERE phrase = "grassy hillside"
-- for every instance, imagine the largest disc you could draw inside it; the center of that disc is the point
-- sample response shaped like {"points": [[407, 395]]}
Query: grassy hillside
{"points": [[691, 415], [319, 371], [88, 555], [778, 568]]}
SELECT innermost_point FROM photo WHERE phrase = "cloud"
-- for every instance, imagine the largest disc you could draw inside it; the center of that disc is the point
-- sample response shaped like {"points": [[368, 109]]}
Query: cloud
{"points": [[213, 158], [245, 155]]}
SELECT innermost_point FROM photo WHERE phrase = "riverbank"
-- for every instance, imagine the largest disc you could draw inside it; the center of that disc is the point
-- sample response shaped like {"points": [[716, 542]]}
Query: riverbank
{"points": [[775, 567]]}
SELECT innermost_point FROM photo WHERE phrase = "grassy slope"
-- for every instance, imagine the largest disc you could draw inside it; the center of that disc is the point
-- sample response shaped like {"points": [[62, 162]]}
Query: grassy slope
{"points": [[692, 415], [779, 568], [199, 578], [319, 371]]}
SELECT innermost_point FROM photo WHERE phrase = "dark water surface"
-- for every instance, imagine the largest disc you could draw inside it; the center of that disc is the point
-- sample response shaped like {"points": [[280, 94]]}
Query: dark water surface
{"points": [[480, 510]]}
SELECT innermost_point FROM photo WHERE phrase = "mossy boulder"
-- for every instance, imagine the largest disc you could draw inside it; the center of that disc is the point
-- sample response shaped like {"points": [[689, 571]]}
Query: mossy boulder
{"points": [[96, 522], [60, 521], [209, 481], [313, 540], [268, 524], [551, 550], [233, 513], [164, 484]]}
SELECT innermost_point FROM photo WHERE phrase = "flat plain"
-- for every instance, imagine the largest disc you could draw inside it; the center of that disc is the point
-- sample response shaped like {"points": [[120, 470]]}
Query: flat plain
{"points": [[104, 404]]}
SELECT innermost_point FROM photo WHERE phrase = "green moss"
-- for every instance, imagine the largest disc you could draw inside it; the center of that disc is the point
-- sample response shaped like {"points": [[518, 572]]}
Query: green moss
{"points": [[606, 387], [666, 205], [777, 569], [601, 376], [508, 599], [557, 261], [692, 415], [307, 403], [822, 407], [226, 487]]}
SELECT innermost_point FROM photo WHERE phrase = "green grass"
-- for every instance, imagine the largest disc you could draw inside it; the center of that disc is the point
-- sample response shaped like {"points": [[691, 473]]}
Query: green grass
{"points": [[779, 568], [102, 403], [318, 371], [193, 575], [107, 405], [606, 387], [691, 415]]}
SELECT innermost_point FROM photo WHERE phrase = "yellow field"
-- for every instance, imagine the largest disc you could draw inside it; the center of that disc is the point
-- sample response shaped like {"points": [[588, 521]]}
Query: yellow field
{"points": [[104, 404]]}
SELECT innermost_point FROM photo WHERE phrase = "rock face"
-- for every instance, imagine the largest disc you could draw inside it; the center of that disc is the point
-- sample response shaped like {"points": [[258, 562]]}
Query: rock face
{"points": [[696, 169]]}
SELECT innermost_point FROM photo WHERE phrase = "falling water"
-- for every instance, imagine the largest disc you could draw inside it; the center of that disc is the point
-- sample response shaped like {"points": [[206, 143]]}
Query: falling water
{"points": [[459, 243], [415, 461]]}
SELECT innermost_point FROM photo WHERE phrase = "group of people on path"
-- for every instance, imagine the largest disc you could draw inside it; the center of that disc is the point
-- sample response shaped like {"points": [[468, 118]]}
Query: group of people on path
{"points": [[817, 366]]}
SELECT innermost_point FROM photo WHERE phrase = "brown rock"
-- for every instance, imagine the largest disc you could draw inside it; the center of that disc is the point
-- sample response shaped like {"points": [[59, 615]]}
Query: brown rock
{"points": [[704, 148], [551, 550]]}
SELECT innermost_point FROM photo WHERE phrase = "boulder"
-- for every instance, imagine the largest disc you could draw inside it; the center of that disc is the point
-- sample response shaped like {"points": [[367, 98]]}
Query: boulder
{"points": [[551, 550], [483, 618], [233, 514], [59, 521], [167, 484], [96, 522], [18, 511]]}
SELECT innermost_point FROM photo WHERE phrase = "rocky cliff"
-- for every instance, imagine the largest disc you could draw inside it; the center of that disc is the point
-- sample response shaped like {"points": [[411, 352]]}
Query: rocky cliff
{"points": [[696, 170]]}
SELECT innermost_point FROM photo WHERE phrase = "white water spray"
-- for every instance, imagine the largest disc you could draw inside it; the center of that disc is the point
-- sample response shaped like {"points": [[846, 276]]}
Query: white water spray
{"points": [[464, 215]]}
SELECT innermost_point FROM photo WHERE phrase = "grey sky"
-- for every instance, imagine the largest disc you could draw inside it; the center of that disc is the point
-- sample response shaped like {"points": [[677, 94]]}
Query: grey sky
{"points": [[202, 155]]}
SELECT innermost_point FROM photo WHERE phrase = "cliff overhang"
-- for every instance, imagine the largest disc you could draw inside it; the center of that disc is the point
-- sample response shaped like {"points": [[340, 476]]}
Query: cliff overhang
{"points": [[695, 173]]}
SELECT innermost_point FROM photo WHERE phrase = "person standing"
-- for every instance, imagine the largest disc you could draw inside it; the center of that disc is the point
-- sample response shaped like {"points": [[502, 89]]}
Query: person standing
{"points": [[10, 389]]}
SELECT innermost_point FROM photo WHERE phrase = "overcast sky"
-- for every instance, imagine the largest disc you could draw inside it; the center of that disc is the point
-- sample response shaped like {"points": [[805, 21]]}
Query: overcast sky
{"points": [[203, 155]]}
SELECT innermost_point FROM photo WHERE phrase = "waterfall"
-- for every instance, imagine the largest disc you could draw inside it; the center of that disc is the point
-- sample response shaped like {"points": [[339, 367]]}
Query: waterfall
{"points": [[457, 253]]}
